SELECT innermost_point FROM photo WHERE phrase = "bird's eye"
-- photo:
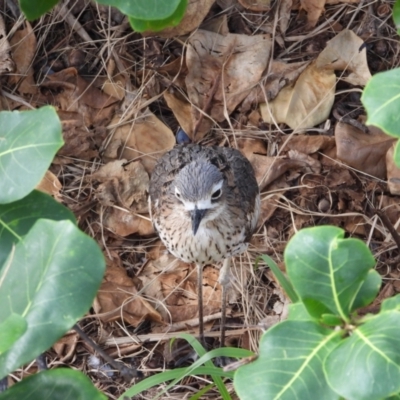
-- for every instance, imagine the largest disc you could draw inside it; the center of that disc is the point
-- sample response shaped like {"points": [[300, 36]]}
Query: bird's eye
{"points": [[177, 194], [216, 194]]}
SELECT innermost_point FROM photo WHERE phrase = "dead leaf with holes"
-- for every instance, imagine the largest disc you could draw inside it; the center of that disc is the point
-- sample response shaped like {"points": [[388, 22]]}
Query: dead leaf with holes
{"points": [[123, 191], [6, 63], [362, 151], [120, 298], [23, 49], [343, 53], [222, 71], [146, 139], [305, 104]]}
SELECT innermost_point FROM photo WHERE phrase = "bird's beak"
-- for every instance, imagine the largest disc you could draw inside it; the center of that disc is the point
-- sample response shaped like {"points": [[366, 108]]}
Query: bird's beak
{"points": [[197, 215]]}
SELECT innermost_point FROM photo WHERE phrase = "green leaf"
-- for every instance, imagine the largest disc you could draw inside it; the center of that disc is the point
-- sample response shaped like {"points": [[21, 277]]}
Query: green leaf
{"points": [[10, 330], [391, 304], [396, 154], [29, 141], [18, 217], [34, 9], [326, 270], [331, 320], [145, 9], [283, 281], [368, 291], [55, 384], [289, 365], [142, 25], [298, 312], [396, 15], [50, 280], [366, 365], [381, 99]]}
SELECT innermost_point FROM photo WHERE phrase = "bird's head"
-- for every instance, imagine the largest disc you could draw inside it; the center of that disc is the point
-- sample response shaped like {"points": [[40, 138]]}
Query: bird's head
{"points": [[200, 187]]}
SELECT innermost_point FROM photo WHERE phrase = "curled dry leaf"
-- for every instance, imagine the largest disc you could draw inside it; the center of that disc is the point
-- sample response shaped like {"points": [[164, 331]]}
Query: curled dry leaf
{"points": [[393, 172], [222, 71], [364, 152], [124, 185], [217, 25], [23, 49], [280, 75], [343, 53], [50, 185], [147, 139], [6, 62], [305, 104], [181, 109], [70, 92], [195, 13], [119, 298]]}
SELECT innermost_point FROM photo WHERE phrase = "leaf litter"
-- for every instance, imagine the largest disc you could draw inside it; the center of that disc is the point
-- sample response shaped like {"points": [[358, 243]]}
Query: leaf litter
{"points": [[280, 81]]}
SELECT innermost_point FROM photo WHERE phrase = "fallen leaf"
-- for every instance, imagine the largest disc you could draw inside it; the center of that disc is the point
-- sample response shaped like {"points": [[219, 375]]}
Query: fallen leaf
{"points": [[393, 172], [314, 9], [147, 139], [222, 71], [305, 104], [23, 49], [181, 109], [256, 5], [343, 53], [50, 185], [364, 152], [6, 62]]}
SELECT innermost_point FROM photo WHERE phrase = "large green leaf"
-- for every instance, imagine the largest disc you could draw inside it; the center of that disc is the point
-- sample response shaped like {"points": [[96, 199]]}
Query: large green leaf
{"points": [[11, 330], [29, 141], [326, 270], [289, 365], [145, 9], [369, 290], [366, 366], [381, 99], [142, 25], [55, 384], [50, 280], [33, 9], [18, 217]]}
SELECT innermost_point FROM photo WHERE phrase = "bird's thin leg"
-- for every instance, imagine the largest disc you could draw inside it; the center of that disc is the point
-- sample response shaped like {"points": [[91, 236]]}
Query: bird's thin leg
{"points": [[224, 280], [200, 301]]}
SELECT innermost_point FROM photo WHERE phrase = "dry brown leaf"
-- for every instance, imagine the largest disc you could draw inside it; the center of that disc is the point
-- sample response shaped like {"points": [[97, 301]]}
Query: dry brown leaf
{"points": [[393, 172], [310, 144], [314, 9], [181, 109], [280, 75], [305, 104], [50, 185], [146, 139], [222, 71], [118, 298], [6, 62], [217, 24], [115, 87], [256, 5], [285, 8], [364, 152], [343, 53], [70, 92], [195, 13], [23, 49]]}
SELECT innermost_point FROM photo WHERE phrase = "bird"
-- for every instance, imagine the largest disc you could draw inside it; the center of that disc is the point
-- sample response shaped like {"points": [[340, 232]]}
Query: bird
{"points": [[204, 203]]}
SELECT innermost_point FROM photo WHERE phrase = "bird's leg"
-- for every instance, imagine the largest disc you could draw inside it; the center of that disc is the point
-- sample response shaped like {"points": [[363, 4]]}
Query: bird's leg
{"points": [[200, 301], [224, 280]]}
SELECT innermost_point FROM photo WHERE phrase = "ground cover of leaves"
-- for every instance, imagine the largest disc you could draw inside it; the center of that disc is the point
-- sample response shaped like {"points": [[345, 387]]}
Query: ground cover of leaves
{"points": [[279, 80]]}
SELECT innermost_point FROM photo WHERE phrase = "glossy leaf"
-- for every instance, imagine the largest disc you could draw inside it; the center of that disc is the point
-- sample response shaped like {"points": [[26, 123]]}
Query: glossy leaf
{"points": [[289, 365], [392, 303], [366, 365], [145, 9], [143, 25], [381, 99], [327, 270], [29, 141], [369, 290], [56, 384], [50, 280], [10, 330], [34, 9], [18, 217]]}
